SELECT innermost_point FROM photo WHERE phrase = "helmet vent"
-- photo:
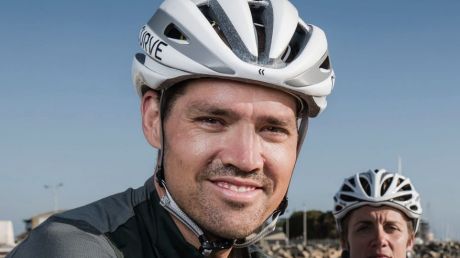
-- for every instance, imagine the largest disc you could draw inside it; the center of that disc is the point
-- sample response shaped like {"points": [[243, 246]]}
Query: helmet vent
{"points": [[407, 187], [225, 30], [286, 54], [262, 17], [326, 65], [348, 198], [403, 198], [385, 185], [296, 45], [260, 29], [206, 10], [338, 208], [352, 182], [414, 207], [257, 3], [365, 185], [172, 32], [346, 188]]}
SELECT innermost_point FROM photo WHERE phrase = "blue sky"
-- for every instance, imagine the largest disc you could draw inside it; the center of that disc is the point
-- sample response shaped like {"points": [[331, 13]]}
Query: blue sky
{"points": [[70, 114]]}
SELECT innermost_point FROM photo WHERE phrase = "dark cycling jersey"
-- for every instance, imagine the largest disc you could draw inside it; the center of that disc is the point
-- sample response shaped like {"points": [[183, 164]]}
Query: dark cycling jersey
{"points": [[127, 224]]}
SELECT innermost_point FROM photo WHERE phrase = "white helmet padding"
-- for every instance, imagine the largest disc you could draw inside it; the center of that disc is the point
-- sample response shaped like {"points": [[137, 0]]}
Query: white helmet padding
{"points": [[377, 188], [263, 42]]}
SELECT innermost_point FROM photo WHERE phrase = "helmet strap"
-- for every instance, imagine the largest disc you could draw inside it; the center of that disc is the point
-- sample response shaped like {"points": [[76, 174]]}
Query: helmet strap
{"points": [[159, 170], [206, 246]]}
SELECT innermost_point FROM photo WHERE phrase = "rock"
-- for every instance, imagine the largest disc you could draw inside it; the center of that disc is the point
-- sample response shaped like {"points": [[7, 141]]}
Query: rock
{"points": [[331, 249]]}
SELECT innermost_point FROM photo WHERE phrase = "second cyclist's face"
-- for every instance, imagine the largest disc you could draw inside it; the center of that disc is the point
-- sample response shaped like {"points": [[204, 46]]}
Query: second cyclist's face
{"points": [[229, 154], [378, 232]]}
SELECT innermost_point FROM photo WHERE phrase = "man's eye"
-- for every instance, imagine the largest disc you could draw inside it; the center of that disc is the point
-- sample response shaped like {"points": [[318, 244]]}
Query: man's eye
{"points": [[210, 121], [274, 129]]}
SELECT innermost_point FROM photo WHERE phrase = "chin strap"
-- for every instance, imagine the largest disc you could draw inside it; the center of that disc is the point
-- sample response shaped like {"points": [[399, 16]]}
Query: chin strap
{"points": [[207, 246], [267, 227]]}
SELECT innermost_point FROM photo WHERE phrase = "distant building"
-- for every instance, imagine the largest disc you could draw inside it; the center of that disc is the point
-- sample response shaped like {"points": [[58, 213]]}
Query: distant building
{"points": [[276, 237], [6, 237], [424, 232], [34, 222]]}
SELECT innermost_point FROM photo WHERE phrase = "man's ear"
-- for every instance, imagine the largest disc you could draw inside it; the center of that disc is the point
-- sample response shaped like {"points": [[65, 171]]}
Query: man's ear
{"points": [[151, 121]]}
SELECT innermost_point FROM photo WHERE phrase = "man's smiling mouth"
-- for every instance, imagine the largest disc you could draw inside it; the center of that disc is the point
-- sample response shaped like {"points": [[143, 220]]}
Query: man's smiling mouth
{"points": [[236, 188]]}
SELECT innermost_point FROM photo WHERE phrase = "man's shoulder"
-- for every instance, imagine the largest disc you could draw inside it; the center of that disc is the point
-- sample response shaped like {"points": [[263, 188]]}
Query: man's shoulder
{"points": [[81, 232], [54, 238], [107, 214]]}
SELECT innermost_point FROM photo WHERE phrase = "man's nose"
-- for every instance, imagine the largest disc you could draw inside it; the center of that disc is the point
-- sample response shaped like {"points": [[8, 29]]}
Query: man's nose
{"points": [[243, 149]]}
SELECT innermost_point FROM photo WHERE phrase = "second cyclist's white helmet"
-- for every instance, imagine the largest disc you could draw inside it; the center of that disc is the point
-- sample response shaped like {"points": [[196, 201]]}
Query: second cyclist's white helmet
{"points": [[376, 188], [259, 41]]}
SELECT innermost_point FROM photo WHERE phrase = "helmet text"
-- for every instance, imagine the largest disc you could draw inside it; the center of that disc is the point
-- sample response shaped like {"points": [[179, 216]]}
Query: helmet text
{"points": [[153, 46]]}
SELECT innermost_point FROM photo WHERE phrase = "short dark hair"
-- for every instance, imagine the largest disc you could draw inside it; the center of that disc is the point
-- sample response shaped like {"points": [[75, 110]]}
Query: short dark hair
{"points": [[170, 96]]}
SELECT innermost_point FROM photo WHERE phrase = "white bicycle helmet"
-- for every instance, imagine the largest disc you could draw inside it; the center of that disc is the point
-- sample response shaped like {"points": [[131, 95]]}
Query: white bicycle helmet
{"points": [[376, 188], [259, 41]]}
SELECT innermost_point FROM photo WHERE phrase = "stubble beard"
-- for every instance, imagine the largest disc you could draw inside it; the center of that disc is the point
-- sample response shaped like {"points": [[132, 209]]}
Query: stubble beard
{"points": [[226, 219]]}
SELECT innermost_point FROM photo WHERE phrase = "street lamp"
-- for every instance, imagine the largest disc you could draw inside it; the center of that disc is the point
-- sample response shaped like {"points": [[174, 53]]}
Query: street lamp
{"points": [[287, 227], [304, 224], [55, 197]]}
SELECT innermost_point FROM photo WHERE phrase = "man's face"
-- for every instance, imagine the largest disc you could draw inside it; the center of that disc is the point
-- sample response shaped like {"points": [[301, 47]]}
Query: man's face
{"points": [[378, 232], [230, 149]]}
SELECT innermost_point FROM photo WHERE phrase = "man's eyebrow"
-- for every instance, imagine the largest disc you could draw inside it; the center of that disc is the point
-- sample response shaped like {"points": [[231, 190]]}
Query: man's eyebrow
{"points": [[211, 109], [277, 121]]}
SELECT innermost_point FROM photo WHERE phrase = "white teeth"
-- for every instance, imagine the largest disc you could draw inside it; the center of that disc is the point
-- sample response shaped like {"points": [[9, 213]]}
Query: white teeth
{"points": [[234, 188]]}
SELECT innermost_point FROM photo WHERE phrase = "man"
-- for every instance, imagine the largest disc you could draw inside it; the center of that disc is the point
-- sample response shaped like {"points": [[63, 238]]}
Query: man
{"points": [[227, 88]]}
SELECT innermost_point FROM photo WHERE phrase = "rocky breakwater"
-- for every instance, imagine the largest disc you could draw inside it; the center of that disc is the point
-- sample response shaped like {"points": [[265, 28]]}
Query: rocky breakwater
{"points": [[448, 249], [299, 250]]}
